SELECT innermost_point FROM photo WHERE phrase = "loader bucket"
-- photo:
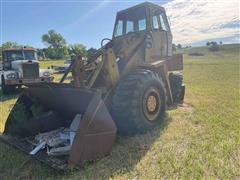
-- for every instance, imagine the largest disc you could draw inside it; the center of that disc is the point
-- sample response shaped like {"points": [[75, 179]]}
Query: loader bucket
{"points": [[94, 136]]}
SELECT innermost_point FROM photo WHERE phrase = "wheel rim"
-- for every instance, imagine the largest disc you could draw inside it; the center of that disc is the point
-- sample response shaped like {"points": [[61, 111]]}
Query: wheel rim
{"points": [[151, 104]]}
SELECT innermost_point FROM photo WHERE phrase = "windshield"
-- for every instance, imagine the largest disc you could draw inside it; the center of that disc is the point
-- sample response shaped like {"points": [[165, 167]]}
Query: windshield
{"points": [[14, 55], [131, 21], [30, 55], [20, 55]]}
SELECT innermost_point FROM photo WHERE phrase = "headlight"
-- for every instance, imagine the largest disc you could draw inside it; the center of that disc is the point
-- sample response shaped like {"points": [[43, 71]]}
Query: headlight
{"points": [[12, 76], [149, 45], [46, 74]]}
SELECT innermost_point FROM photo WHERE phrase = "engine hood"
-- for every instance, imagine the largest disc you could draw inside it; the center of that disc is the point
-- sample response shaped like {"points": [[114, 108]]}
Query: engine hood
{"points": [[17, 64]]}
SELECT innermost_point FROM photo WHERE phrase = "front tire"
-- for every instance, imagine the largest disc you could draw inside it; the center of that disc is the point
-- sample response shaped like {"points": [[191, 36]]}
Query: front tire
{"points": [[139, 102]]}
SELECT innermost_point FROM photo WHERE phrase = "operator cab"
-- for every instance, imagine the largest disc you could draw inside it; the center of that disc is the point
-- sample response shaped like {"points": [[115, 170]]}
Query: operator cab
{"points": [[129, 21], [144, 27]]}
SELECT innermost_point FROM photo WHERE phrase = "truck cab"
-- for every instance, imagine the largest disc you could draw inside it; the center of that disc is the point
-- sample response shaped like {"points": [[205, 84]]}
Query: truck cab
{"points": [[20, 66]]}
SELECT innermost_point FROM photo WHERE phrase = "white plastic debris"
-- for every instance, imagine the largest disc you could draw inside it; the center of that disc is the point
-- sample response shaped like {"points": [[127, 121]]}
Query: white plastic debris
{"points": [[40, 146], [59, 141], [58, 151]]}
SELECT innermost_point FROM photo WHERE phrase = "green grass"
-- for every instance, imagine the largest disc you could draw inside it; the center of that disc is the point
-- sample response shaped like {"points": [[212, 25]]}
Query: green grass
{"points": [[48, 63], [199, 140]]}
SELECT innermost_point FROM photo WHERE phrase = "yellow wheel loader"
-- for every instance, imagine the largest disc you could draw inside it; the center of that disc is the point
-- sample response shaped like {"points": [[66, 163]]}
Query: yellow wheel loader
{"points": [[124, 87]]}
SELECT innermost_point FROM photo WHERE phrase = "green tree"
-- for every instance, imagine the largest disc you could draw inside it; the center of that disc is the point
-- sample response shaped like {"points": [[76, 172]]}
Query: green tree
{"points": [[77, 49], [57, 46], [41, 54], [179, 46], [214, 46], [53, 39], [10, 44], [56, 53], [91, 52]]}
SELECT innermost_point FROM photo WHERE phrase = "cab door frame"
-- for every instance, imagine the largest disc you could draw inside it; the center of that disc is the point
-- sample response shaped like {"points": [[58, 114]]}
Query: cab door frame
{"points": [[166, 44]]}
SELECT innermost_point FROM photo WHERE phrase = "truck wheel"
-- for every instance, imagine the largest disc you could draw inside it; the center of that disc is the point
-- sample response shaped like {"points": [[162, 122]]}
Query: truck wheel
{"points": [[7, 89], [176, 86], [139, 102]]}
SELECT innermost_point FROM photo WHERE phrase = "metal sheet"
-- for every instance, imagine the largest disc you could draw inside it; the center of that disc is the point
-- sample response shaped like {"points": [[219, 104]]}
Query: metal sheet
{"points": [[175, 63]]}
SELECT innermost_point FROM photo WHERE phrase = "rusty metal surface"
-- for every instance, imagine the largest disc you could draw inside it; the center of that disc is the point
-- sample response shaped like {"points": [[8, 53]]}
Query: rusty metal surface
{"points": [[16, 49], [26, 81], [95, 135], [175, 63], [78, 71], [24, 146], [62, 98], [96, 132]]}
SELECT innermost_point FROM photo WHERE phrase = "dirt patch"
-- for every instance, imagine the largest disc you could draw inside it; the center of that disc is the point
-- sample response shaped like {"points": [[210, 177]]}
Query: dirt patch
{"points": [[196, 54], [186, 107]]}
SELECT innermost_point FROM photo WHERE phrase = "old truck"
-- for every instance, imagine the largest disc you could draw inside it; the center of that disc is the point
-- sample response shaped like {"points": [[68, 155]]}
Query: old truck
{"points": [[125, 87], [20, 66]]}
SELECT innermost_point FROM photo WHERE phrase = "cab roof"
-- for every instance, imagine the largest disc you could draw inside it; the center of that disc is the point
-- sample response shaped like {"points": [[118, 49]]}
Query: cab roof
{"points": [[16, 49], [145, 4]]}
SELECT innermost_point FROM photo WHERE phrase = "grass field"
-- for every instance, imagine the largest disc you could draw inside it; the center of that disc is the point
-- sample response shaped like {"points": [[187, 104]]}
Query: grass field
{"points": [[201, 139]]}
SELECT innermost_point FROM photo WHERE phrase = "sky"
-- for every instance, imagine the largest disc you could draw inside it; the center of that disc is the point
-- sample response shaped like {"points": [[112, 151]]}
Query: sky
{"points": [[193, 22]]}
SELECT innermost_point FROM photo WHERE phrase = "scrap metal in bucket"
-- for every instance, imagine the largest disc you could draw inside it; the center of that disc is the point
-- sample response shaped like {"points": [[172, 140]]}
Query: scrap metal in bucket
{"points": [[91, 138], [57, 142]]}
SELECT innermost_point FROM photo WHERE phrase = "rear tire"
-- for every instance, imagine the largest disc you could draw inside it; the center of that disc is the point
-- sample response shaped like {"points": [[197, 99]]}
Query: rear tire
{"points": [[139, 102], [178, 90], [7, 89]]}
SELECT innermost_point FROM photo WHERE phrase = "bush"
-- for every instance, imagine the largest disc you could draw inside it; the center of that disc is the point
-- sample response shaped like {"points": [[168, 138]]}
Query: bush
{"points": [[56, 53], [214, 47]]}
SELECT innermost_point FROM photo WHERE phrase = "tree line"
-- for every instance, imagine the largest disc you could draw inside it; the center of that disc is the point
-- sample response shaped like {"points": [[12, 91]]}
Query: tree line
{"points": [[56, 47], [213, 45]]}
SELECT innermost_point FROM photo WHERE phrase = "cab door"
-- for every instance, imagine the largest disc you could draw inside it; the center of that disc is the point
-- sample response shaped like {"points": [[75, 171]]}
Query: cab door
{"points": [[161, 36], [129, 39]]}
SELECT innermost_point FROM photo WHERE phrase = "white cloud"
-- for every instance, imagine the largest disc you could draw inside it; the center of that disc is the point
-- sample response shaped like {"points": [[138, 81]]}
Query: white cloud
{"points": [[198, 20]]}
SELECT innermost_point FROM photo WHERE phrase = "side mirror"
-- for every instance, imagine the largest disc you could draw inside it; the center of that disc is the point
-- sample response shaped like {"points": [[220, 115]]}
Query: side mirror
{"points": [[6, 65]]}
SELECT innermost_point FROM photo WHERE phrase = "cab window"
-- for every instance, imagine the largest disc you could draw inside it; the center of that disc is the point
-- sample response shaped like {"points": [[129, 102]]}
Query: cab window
{"points": [[14, 55], [30, 55], [130, 27], [131, 21], [119, 28], [155, 22], [163, 23], [142, 24]]}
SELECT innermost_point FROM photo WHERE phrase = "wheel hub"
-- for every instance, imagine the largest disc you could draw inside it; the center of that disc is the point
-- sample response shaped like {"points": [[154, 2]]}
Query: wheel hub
{"points": [[151, 104]]}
